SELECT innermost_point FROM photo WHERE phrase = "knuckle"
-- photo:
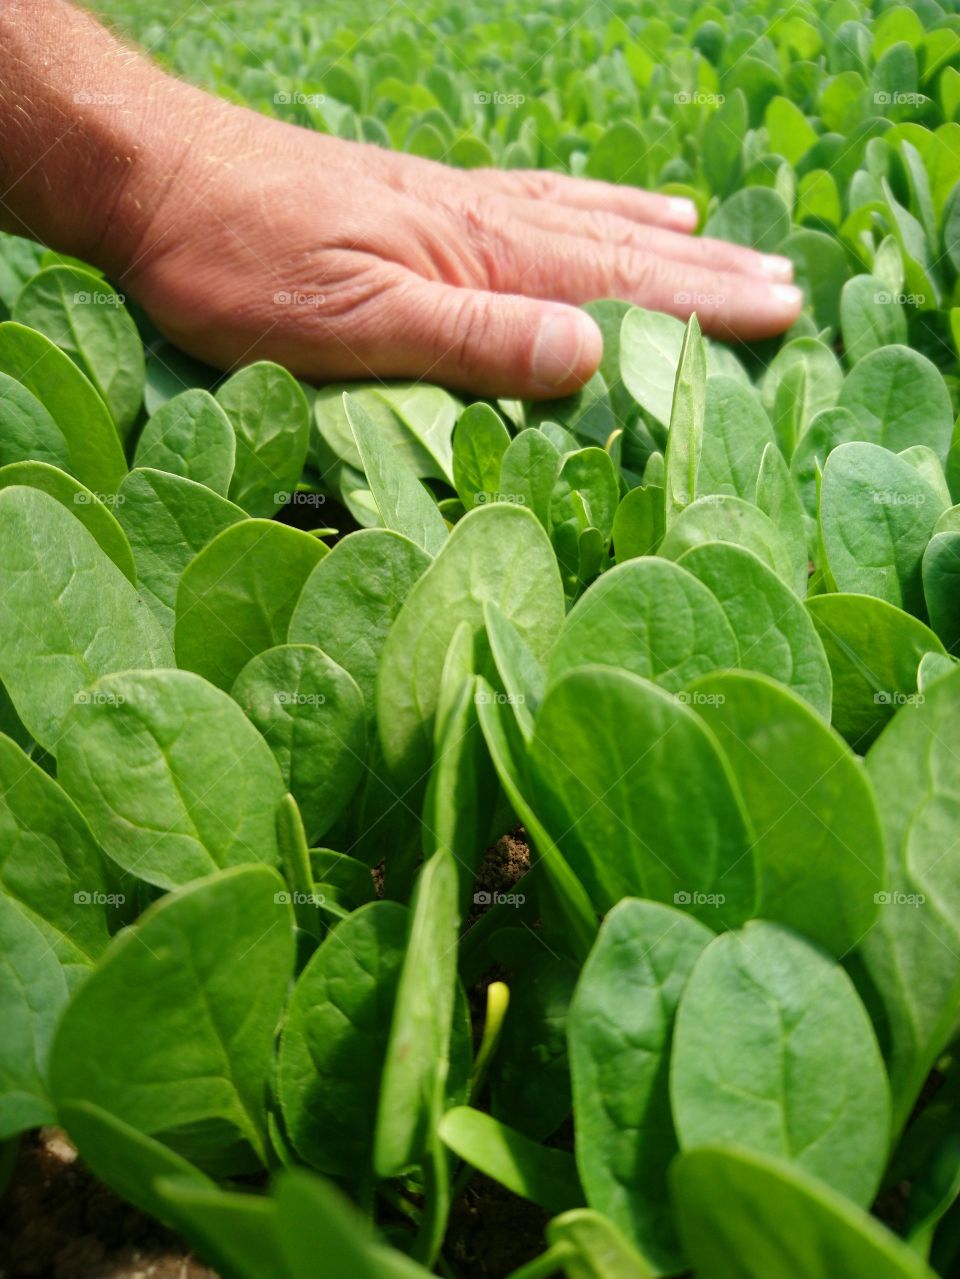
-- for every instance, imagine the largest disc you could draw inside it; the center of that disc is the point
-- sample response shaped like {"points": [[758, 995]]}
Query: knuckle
{"points": [[471, 332]]}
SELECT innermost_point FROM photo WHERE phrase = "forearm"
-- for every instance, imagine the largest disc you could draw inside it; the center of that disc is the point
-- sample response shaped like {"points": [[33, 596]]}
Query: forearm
{"points": [[91, 133]]}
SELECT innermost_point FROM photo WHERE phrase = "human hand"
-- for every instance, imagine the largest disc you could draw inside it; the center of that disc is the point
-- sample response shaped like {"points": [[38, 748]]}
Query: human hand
{"points": [[344, 260]]}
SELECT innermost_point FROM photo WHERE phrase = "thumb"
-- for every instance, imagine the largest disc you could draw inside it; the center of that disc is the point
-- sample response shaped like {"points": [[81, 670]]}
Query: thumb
{"points": [[494, 344]]}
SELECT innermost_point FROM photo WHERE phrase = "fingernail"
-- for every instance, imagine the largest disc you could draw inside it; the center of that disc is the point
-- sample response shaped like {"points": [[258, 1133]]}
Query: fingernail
{"points": [[683, 210], [775, 267], [788, 294], [558, 349]]}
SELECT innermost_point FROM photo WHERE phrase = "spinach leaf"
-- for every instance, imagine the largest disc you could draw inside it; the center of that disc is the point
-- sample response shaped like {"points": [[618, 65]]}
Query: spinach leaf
{"points": [[775, 634], [223, 988], [528, 472], [479, 443], [812, 1087], [876, 517], [874, 650], [721, 518], [27, 429], [659, 792], [335, 1037], [941, 570], [685, 438], [499, 554], [171, 775], [237, 595], [736, 430], [544, 1176], [271, 418], [67, 613], [899, 399], [86, 318], [93, 446], [745, 1215], [167, 521], [620, 1029], [310, 713], [401, 500], [650, 617], [190, 435]]}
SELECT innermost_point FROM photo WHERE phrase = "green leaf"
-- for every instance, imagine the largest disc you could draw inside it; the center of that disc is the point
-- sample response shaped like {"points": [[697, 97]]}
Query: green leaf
{"points": [[95, 515], [27, 430], [638, 525], [617, 763], [271, 418], [870, 317], [335, 1039], [402, 501], [819, 847], [51, 865], [912, 975], [167, 521], [310, 713], [171, 775], [589, 1246], [351, 599], [499, 554], [236, 597], [67, 613], [190, 435], [418, 1054], [820, 263], [222, 987], [685, 438], [620, 1029], [941, 587], [33, 990], [774, 633], [811, 1088], [719, 518], [528, 472], [736, 430], [755, 216], [744, 1215], [876, 517], [650, 617], [544, 1176], [587, 475], [87, 320], [94, 452], [874, 650], [899, 398], [479, 443]]}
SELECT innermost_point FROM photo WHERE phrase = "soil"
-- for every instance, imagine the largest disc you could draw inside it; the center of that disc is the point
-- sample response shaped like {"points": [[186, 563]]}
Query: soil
{"points": [[59, 1222]]}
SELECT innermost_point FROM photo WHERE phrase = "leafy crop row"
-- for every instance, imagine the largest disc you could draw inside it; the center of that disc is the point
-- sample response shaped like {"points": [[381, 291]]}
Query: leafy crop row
{"points": [[695, 628]]}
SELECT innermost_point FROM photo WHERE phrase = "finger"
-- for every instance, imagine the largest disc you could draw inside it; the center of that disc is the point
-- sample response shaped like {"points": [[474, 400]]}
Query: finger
{"points": [[487, 343], [609, 228], [570, 269], [537, 185]]}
